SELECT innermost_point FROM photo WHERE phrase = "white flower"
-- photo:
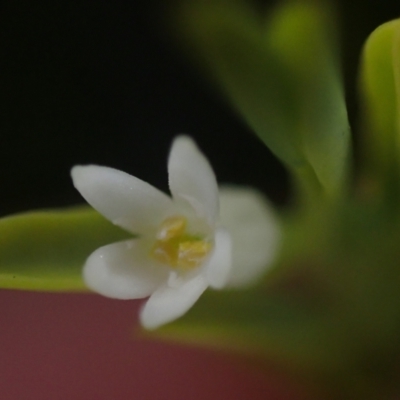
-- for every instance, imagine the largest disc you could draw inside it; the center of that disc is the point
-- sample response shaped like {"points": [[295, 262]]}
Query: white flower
{"points": [[183, 246]]}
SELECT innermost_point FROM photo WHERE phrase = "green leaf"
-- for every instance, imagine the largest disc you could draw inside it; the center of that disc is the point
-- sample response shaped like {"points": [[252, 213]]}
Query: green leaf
{"points": [[282, 77], [228, 39], [46, 250], [380, 79], [302, 37]]}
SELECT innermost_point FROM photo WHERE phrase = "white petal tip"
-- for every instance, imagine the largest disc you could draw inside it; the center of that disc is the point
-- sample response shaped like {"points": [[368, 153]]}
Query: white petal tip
{"points": [[80, 173], [151, 320], [75, 172], [192, 179], [122, 271], [167, 304], [148, 323], [183, 140]]}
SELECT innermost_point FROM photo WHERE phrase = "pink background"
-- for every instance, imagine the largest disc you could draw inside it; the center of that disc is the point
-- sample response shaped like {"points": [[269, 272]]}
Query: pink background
{"points": [[77, 347]]}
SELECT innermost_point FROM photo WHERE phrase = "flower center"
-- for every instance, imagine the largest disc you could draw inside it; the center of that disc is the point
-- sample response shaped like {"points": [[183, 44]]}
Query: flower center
{"points": [[177, 248]]}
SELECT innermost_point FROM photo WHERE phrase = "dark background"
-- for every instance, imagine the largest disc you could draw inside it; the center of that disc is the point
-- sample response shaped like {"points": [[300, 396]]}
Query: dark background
{"points": [[99, 82]]}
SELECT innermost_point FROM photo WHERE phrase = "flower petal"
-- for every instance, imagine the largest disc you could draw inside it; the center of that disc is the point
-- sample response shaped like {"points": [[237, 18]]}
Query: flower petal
{"points": [[123, 271], [169, 303], [255, 233], [219, 266], [124, 199], [192, 179]]}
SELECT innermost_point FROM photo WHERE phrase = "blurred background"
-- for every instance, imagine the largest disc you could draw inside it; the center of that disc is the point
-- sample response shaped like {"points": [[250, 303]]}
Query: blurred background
{"points": [[102, 82]]}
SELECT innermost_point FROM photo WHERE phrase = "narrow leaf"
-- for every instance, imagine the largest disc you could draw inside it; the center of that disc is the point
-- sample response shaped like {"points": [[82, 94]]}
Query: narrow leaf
{"points": [[380, 77], [228, 39], [302, 37], [281, 75], [46, 250]]}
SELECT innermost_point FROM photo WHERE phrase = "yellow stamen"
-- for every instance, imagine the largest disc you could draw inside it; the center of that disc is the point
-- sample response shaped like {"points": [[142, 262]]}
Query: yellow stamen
{"points": [[165, 253], [177, 248], [192, 253]]}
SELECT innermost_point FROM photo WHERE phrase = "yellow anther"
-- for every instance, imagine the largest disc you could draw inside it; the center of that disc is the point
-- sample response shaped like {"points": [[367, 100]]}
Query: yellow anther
{"points": [[176, 248], [165, 253], [171, 228], [192, 253]]}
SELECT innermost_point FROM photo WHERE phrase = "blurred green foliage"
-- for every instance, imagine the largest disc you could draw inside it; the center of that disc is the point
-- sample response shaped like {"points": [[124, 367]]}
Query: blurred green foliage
{"points": [[46, 250]]}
